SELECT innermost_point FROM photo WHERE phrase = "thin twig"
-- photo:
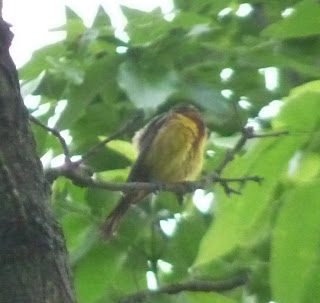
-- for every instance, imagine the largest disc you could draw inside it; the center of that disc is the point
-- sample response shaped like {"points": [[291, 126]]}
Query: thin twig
{"points": [[57, 134], [277, 134], [192, 286], [247, 133], [241, 179], [127, 126]]}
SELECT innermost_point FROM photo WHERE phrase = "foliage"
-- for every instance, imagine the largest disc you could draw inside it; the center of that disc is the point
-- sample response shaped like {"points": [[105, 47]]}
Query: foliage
{"points": [[272, 230]]}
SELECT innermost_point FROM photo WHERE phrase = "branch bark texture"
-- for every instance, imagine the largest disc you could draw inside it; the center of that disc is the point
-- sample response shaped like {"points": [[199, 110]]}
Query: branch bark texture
{"points": [[33, 266]]}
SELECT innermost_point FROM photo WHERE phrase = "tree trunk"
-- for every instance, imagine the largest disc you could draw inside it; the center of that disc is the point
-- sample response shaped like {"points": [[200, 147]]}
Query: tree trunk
{"points": [[33, 258]]}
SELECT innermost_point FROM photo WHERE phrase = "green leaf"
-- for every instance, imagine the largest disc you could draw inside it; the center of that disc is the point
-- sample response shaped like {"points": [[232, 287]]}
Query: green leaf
{"points": [[300, 114], [146, 89], [89, 238], [187, 20], [313, 86], [74, 26], [100, 118], [237, 215], [40, 60], [101, 19], [266, 57], [143, 27], [75, 228], [308, 167], [311, 292], [202, 5], [52, 87], [99, 75], [94, 273], [66, 71], [295, 247], [190, 228], [304, 21], [101, 201], [269, 159], [123, 147], [28, 87]]}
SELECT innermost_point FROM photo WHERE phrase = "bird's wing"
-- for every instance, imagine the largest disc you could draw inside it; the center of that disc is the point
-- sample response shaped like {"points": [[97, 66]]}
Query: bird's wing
{"points": [[144, 139]]}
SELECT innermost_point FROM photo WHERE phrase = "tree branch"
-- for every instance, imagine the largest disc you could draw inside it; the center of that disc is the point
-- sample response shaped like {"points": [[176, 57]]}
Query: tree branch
{"points": [[81, 175], [124, 129], [192, 286], [57, 134], [95, 148]]}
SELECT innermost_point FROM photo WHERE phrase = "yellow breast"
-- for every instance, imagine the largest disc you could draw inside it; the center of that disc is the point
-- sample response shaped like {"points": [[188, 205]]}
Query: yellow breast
{"points": [[177, 150]]}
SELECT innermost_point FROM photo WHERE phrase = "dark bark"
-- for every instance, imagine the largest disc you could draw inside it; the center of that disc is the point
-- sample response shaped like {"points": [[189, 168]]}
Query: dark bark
{"points": [[33, 258]]}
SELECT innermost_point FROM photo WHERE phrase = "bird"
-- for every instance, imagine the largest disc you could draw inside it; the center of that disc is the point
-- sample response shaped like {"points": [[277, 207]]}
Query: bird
{"points": [[170, 149]]}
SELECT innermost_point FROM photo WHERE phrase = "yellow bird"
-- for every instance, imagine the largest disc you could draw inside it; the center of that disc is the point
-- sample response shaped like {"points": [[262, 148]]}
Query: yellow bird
{"points": [[171, 149]]}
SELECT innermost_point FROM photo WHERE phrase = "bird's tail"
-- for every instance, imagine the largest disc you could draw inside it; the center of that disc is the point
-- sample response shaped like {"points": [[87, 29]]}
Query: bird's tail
{"points": [[114, 219]]}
